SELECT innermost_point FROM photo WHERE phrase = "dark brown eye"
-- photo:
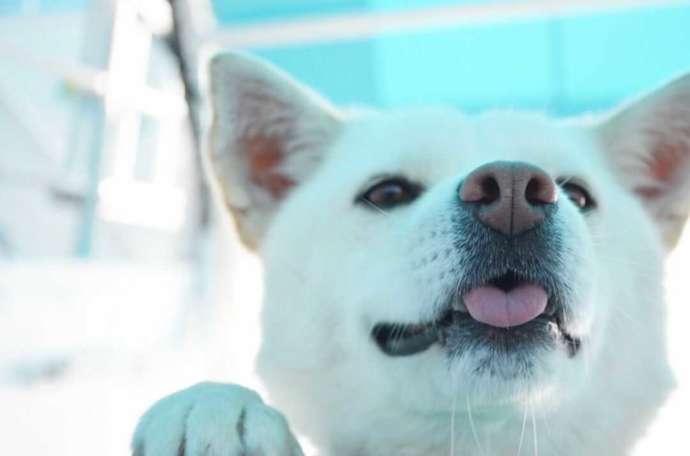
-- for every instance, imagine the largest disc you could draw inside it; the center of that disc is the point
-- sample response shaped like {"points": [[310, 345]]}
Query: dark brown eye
{"points": [[578, 195], [390, 193]]}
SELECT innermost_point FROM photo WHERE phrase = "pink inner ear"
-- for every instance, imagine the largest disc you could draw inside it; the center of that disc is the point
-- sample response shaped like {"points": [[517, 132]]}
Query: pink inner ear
{"points": [[670, 135], [666, 161], [661, 168], [265, 155]]}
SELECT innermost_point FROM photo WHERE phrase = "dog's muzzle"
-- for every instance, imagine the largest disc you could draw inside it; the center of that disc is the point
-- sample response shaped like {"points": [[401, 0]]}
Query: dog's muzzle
{"points": [[510, 294]]}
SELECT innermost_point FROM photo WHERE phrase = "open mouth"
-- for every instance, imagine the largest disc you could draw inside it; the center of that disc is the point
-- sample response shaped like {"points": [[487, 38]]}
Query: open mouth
{"points": [[507, 313]]}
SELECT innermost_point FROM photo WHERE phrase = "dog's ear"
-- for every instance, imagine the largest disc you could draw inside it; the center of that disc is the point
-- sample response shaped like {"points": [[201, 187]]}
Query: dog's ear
{"points": [[648, 142], [268, 135]]}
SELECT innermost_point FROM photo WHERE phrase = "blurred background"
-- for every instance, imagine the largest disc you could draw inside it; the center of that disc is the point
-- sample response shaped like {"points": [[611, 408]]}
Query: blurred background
{"points": [[121, 282]]}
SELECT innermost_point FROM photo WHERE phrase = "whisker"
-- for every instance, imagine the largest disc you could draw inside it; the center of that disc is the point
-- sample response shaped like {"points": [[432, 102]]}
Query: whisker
{"points": [[452, 416], [522, 432], [638, 326], [374, 206], [472, 427], [534, 430], [587, 361]]}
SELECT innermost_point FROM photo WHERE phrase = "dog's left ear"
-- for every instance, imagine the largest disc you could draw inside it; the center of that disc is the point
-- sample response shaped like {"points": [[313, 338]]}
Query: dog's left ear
{"points": [[268, 134], [648, 142]]}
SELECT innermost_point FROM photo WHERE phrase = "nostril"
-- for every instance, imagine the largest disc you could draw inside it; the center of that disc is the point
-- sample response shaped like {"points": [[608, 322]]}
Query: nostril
{"points": [[491, 190], [510, 197], [540, 190], [532, 192], [483, 187]]}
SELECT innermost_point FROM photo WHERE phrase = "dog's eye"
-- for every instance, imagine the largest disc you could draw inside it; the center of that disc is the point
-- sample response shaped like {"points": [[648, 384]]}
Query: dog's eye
{"points": [[389, 193], [578, 195]]}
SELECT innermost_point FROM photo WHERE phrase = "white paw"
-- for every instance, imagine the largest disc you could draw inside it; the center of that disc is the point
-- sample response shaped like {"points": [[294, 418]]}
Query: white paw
{"points": [[213, 419]]}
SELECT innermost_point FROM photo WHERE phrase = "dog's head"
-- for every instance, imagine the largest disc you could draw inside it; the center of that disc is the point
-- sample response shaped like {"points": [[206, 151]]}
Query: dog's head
{"points": [[425, 254]]}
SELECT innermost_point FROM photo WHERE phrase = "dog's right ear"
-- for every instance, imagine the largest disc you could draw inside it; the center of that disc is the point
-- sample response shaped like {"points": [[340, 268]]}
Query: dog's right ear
{"points": [[648, 142], [268, 135]]}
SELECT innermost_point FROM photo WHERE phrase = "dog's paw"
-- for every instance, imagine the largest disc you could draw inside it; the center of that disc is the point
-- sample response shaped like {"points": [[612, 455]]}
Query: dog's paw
{"points": [[212, 419]]}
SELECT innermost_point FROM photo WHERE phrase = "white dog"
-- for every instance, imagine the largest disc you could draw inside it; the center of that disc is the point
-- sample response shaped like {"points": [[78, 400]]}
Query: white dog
{"points": [[441, 284]]}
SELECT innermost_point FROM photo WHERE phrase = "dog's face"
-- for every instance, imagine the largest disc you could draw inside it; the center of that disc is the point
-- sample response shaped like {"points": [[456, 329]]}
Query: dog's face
{"points": [[420, 256]]}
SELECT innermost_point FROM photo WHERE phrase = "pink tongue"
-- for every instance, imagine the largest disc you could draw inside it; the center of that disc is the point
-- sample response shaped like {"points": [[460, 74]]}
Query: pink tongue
{"points": [[495, 307]]}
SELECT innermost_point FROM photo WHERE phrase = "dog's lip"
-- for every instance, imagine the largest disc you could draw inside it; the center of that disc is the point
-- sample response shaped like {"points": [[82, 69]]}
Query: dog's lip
{"points": [[399, 339], [405, 339]]}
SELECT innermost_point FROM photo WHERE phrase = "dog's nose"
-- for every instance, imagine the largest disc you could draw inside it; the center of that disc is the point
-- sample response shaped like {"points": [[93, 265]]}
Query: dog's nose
{"points": [[510, 197]]}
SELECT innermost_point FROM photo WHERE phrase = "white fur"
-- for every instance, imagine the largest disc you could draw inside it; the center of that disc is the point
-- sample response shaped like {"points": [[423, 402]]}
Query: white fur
{"points": [[333, 270]]}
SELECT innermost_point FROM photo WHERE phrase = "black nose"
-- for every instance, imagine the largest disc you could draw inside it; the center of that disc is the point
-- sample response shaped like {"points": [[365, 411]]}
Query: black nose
{"points": [[510, 197]]}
